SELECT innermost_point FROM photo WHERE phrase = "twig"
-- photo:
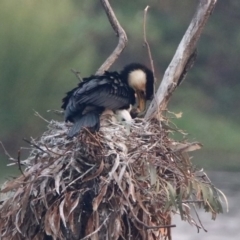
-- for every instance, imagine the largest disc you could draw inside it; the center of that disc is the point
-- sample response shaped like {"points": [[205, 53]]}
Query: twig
{"points": [[77, 74], [57, 112], [120, 33], [36, 158], [6, 152], [59, 154], [199, 220], [146, 42], [81, 176], [19, 163], [36, 146], [129, 229], [181, 57], [93, 137], [193, 201], [145, 225], [38, 115], [92, 233], [148, 46]]}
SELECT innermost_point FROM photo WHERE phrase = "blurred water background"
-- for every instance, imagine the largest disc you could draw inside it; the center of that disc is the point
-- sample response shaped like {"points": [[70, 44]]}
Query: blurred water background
{"points": [[40, 41]]}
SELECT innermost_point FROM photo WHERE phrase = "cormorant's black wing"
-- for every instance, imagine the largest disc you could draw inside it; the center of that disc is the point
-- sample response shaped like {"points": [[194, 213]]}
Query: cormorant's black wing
{"points": [[89, 120], [107, 91]]}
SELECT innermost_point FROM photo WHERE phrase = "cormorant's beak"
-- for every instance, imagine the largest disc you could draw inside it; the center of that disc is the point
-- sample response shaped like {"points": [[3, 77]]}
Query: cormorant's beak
{"points": [[141, 101]]}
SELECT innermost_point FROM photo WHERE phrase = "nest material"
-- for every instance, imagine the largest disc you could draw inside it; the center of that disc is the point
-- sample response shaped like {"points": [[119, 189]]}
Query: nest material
{"points": [[114, 184]]}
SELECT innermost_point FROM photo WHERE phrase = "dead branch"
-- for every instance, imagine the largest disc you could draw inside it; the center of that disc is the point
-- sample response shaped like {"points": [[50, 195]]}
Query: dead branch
{"points": [[184, 52], [120, 34]]}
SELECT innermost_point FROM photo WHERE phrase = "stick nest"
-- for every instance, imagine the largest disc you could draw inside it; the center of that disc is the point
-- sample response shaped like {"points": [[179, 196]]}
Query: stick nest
{"points": [[114, 184]]}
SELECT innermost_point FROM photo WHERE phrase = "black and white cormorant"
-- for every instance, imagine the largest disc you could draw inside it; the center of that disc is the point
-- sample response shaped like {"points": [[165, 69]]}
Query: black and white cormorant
{"points": [[84, 104]]}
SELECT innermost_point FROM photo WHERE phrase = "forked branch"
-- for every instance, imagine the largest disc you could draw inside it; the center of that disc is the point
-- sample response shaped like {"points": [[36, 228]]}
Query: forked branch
{"points": [[183, 55], [122, 42]]}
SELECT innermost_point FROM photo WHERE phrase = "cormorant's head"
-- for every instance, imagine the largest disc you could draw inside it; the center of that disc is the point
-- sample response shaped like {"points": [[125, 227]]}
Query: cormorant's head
{"points": [[141, 79]]}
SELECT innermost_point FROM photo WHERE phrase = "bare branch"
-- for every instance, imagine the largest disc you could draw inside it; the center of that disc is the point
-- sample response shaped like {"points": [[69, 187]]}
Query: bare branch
{"points": [[182, 56], [120, 33], [146, 42]]}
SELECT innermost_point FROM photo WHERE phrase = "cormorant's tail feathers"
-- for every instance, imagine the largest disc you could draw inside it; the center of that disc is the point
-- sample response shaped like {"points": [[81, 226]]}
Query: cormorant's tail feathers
{"points": [[89, 120]]}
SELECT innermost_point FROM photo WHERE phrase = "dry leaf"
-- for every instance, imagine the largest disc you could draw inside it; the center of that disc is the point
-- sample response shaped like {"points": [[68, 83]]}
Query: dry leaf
{"points": [[185, 147]]}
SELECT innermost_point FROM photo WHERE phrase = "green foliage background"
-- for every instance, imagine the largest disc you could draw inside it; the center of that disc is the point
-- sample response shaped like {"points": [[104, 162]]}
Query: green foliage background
{"points": [[41, 41]]}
